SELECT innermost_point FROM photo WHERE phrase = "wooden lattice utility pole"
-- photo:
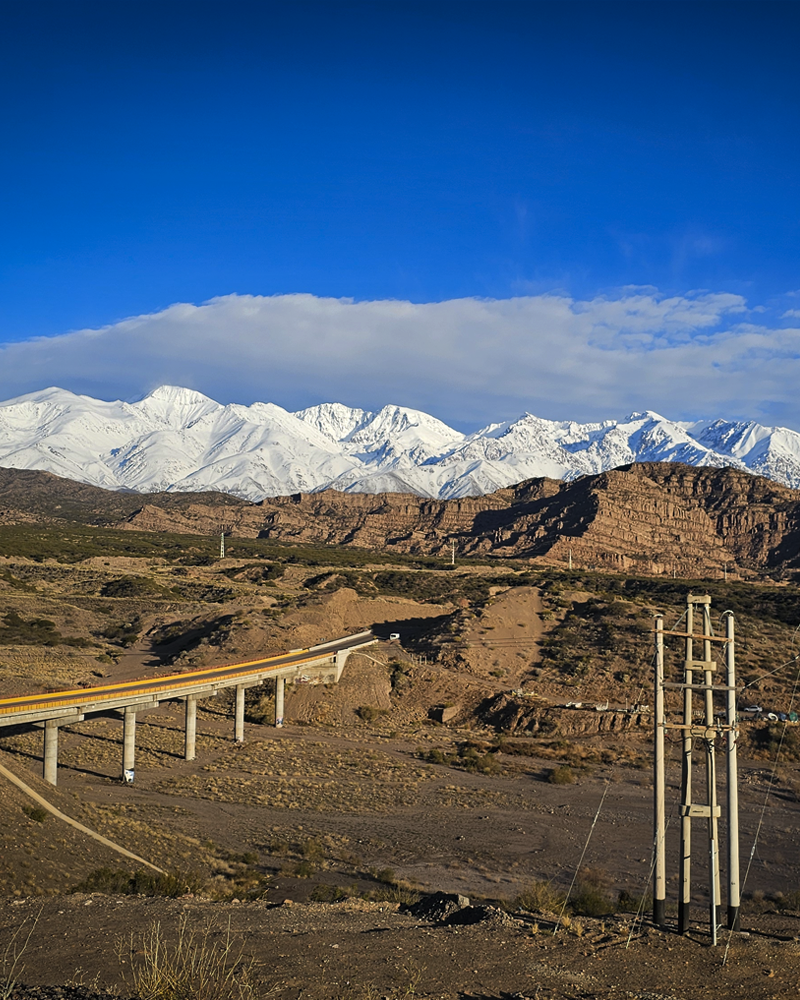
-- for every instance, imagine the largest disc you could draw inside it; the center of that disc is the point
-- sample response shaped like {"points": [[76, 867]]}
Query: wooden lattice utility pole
{"points": [[708, 729]]}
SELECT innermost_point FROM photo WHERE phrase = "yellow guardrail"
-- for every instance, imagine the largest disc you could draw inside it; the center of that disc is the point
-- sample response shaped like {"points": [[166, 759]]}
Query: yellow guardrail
{"points": [[107, 692]]}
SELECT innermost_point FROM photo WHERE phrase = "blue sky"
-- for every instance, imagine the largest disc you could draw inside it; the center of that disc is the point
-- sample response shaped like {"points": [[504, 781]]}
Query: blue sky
{"points": [[180, 152]]}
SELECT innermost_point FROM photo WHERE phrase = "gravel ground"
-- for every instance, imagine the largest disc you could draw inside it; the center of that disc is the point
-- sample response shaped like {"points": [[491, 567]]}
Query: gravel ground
{"points": [[364, 951]]}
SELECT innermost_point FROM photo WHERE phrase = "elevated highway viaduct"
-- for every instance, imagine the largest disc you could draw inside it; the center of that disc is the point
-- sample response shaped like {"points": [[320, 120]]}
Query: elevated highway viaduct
{"points": [[317, 664]]}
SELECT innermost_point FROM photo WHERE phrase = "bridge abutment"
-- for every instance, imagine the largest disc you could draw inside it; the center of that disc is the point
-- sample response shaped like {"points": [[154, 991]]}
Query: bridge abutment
{"points": [[339, 661]]}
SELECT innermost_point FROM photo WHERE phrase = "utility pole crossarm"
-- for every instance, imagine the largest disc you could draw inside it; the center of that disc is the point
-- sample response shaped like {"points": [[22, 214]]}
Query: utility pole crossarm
{"points": [[688, 635]]}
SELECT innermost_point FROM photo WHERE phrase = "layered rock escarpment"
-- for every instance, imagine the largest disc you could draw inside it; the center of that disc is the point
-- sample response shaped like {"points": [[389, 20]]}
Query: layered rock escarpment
{"points": [[649, 518]]}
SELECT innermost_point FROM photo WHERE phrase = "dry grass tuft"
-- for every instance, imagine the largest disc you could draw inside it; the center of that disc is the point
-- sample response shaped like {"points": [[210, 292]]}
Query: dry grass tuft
{"points": [[194, 965], [540, 897]]}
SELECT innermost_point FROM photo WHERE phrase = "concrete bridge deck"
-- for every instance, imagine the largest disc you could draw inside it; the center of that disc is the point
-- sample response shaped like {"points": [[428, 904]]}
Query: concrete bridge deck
{"points": [[317, 664]]}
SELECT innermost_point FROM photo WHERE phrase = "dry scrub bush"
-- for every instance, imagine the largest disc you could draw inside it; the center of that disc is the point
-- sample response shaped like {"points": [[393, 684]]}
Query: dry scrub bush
{"points": [[11, 957], [141, 883], [540, 897], [592, 897], [787, 900], [192, 966], [370, 713], [36, 813]]}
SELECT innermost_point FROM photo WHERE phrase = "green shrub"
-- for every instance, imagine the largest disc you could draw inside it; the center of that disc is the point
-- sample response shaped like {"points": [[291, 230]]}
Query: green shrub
{"points": [[629, 902], [314, 850], [787, 900], [19, 631], [591, 897], [592, 901], [561, 776], [36, 813], [370, 713], [134, 586], [304, 869], [325, 893], [398, 893], [540, 897], [400, 676], [140, 883], [475, 762], [122, 634], [197, 559], [255, 572]]}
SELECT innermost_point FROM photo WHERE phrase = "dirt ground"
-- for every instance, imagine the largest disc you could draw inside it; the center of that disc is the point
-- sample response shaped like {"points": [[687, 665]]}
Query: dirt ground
{"points": [[363, 950], [294, 811], [310, 841]]}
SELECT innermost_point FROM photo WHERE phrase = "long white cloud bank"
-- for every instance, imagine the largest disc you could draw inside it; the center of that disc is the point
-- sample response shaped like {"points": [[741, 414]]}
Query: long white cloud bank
{"points": [[466, 360]]}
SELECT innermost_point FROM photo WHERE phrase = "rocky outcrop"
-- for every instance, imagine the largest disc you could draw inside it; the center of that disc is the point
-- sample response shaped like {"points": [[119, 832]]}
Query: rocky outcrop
{"points": [[514, 715], [653, 518]]}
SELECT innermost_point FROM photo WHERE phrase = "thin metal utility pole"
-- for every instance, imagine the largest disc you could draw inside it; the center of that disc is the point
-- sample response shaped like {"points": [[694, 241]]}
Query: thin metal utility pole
{"points": [[686, 779], [734, 887], [659, 785], [711, 777]]}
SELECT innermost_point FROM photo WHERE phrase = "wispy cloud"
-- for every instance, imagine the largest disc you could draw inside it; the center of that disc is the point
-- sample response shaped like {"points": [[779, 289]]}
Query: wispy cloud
{"points": [[467, 361]]}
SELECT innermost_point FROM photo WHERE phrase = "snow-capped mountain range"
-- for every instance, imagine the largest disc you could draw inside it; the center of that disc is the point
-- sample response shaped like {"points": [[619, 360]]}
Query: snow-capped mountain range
{"points": [[178, 439]]}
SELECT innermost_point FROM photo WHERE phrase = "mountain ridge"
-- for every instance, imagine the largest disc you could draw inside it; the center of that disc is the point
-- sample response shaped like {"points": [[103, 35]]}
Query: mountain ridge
{"points": [[176, 439]]}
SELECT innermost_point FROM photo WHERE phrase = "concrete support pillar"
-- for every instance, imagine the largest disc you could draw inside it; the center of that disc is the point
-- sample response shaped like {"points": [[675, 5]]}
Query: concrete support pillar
{"points": [[191, 727], [128, 744], [238, 734], [280, 687], [50, 762]]}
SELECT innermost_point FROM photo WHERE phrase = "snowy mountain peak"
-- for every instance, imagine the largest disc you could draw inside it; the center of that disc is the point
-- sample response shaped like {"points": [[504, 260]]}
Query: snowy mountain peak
{"points": [[174, 395], [394, 419], [179, 439], [335, 420], [639, 415]]}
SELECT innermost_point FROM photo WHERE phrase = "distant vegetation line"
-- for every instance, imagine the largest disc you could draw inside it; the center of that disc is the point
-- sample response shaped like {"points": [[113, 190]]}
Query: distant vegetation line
{"points": [[73, 544]]}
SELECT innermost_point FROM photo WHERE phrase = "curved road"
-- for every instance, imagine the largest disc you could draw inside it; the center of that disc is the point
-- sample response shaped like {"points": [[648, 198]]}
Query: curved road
{"points": [[80, 697]]}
